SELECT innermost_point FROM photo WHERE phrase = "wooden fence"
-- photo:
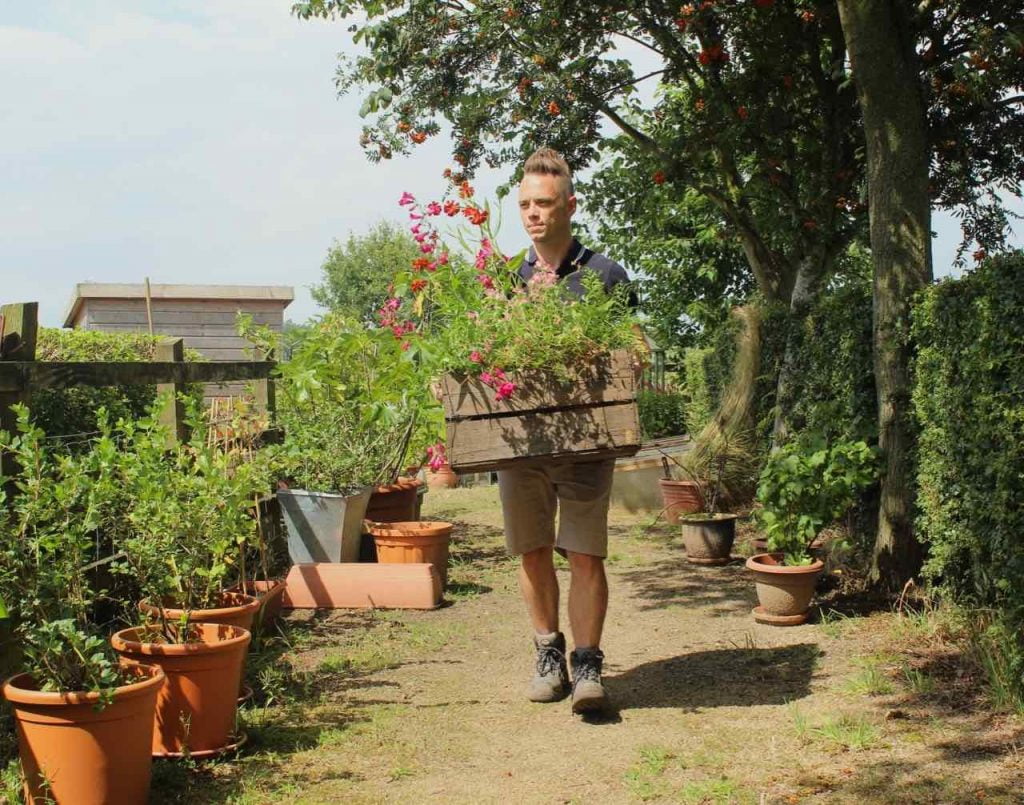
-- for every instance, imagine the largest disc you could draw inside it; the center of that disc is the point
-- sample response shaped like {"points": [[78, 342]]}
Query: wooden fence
{"points": [[20, 373]]}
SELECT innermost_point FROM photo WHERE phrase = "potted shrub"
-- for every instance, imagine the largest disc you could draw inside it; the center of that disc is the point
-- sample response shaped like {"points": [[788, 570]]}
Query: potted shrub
{"points": [[355, 408], [805, 486], [84, 721], [721, 470], [189, 522]]}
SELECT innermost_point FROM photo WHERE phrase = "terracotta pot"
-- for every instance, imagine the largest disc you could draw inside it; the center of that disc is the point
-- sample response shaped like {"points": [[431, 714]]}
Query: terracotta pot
{"points": [[268, 592], [236, 610], [784, 592], [196, 708], [394, 503], [444, 478], [71, 752], [414, 542], [680, 497], [708, 538]]}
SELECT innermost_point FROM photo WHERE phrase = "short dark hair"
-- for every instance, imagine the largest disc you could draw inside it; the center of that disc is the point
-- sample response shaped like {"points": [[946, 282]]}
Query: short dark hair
{"points": [[547, 161]]}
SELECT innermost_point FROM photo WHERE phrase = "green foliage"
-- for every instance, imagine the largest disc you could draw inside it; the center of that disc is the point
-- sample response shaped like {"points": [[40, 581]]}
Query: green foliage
{"points": [[73, 411], [662, 413], [356, 274], [700, 402], [184, 513], [805, 486], [49, 514], [969, 402], [355, 407]]}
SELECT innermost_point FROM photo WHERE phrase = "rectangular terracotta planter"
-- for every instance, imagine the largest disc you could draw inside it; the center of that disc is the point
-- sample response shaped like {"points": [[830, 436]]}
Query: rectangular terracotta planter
{"points": [[356, 585]]}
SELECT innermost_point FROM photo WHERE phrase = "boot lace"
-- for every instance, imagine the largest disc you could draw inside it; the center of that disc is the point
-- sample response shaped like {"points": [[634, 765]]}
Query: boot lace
{"points": [[587, 666], [549, 660]]}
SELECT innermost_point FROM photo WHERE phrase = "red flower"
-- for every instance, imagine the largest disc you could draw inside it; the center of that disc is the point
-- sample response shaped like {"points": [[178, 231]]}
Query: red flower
{"points": [[417, 285], [980, 255], [807, 16], [403, 126], [451, 208], [465, 190], [743, 113], [418, 137], [681, 24], [420, 263], [477, 217], [476, 357], [658, 177], [554, 109]]}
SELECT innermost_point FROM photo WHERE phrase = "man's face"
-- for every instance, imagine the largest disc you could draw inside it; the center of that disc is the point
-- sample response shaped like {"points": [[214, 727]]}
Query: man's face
{"points": [[546, 207]]}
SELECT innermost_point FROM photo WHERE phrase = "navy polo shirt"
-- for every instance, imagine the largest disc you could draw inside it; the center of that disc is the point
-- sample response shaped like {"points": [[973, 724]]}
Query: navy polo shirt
{"points": [[577, 260]]}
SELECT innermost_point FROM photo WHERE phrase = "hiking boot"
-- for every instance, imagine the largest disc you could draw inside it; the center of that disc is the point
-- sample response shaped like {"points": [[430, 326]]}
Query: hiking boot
{"points": [[588, 694], [551, 682]]}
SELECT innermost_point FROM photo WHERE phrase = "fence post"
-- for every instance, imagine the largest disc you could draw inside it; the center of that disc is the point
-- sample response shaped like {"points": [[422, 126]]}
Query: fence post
{"points": [[265, 393], [173, 413], [19, 326]]}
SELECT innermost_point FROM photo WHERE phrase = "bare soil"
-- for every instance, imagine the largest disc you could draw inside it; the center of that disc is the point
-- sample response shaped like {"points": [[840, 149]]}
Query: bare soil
{"points": [[711, 707]]}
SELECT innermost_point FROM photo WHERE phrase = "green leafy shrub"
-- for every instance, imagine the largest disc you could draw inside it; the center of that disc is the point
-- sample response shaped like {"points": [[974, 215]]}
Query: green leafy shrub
{"points": [[71, 411], [806, 485], [662, 413], [700, 397], [969, 401]]}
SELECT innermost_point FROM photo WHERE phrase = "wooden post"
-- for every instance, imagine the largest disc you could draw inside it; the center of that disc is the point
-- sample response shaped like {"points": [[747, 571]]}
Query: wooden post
{"points": [[265, 393], [173, 413], [17, 343]]}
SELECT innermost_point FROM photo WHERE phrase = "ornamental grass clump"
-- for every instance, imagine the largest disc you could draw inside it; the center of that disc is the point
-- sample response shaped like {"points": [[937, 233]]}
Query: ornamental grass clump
{"points": [[475, 316]]}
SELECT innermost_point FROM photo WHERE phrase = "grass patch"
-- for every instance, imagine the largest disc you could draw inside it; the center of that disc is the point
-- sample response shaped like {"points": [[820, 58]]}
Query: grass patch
{"points": [[723, 790], [645, 778], [847, 733], [870, 681], [918, 681]]}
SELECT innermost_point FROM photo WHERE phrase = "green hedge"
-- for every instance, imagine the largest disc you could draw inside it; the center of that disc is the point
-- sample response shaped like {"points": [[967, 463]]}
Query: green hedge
{"points": [[662, 413], [969, 402], [72, 411]]}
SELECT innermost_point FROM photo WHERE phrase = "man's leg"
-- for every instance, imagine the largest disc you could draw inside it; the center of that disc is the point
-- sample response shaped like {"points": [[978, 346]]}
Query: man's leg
{"points": [[588, 599], [539, 585]]}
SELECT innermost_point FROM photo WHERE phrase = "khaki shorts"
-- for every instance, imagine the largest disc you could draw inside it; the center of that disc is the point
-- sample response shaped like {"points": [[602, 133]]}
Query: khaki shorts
{"points": [[579, 491]]}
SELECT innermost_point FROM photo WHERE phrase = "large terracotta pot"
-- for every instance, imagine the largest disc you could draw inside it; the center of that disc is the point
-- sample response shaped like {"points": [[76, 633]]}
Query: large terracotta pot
{"points": [[394, 503], [416, 541], [72, 752], [236, 609], [784, 591], [708, 538], [680, 497], [196, 708], [443, 478]]}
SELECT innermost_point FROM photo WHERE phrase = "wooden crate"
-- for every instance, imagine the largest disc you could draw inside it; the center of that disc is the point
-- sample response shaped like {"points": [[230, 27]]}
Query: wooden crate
{"points": [[593, 415]]}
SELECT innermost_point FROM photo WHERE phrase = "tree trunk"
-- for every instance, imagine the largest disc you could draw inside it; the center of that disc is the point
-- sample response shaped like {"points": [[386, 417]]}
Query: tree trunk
{"points": [[895, 126]]}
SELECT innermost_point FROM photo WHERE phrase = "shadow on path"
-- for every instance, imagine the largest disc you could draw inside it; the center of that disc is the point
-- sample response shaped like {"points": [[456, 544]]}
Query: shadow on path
{"points": [[677, 583], [718, 678]]}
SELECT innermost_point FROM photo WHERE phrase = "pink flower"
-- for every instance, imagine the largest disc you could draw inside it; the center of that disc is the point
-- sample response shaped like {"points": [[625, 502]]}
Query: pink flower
{"points": [[436, 454], [485, 377], [443, 259], [486, 281], [414, 216], [476, 357], [420, 237], [472, 315], [433, 208], [407, 199], [505, 390], [426, 248], [393, 303], [499, 374], [406, 345]]}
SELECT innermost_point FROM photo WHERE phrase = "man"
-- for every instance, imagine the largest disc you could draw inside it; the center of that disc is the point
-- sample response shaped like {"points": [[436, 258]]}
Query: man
{"points": [[578, 490]]}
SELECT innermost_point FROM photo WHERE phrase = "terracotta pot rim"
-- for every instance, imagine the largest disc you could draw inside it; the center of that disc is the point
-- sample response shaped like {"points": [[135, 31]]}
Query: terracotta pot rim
{"points": [[214, 641], [411, 528], [17, 692], [250, 604], [674, 482], [757, 563], [401, 485]]}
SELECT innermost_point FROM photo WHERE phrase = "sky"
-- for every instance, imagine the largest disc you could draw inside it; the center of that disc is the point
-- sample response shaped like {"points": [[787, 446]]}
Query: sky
{"points": [[193, 141]]}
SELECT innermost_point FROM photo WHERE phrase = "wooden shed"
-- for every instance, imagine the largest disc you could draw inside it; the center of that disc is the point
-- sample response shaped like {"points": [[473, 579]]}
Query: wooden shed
{"points": [[203, 315]]}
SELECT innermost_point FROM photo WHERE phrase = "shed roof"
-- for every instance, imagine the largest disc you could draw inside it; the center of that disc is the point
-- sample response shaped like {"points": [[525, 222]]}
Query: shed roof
{"points": [[114, 290]]}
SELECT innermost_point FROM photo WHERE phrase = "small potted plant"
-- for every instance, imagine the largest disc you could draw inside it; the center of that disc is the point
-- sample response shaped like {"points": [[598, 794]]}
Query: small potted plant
{"points": [[805, 486], [84, 721], [721, 470], [189, 521]]}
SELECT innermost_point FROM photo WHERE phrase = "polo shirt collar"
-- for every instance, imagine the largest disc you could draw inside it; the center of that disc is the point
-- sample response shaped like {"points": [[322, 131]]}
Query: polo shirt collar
{"points": [[573, 256]]}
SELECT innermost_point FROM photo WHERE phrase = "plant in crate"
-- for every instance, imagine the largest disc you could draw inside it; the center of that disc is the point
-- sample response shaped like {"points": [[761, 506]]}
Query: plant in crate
{"points": [[805, 485], [500, 346], [50, 512], [189, 523]]}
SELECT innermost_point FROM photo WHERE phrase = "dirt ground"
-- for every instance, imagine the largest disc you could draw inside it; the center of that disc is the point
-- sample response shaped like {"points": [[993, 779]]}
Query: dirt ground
{"points": [[400, 706]]}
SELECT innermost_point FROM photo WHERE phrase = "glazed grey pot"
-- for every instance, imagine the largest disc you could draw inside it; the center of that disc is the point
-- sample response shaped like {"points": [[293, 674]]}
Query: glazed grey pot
{"points": [[708, 537]]}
